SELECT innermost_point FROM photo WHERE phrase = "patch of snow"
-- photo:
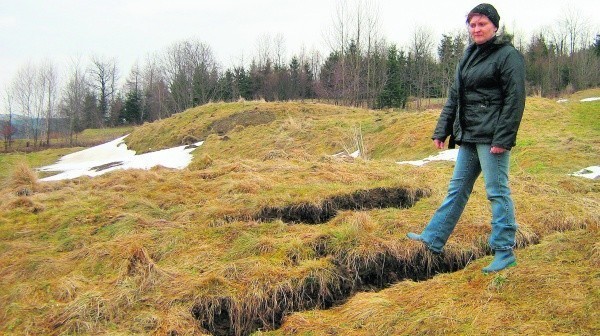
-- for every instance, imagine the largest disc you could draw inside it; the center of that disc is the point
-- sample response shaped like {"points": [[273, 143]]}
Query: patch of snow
{"points": [[562, 100], [592, 173], [346, 154], [590, 99], [114, 155], [447, 155]]}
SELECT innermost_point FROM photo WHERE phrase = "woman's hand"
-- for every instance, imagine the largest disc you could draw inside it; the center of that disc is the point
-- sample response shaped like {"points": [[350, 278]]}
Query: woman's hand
{"points": [[497, 150], [438, 144]]}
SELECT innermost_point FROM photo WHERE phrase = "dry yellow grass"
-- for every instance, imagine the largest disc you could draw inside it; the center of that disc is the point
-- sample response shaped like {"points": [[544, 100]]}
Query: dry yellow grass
{"points": [[162, 251], [554, 290], [23, 180]]}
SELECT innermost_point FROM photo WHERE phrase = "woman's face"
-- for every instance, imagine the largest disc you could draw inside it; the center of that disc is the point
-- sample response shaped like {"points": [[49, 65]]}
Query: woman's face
{"points": [[481, 29]]}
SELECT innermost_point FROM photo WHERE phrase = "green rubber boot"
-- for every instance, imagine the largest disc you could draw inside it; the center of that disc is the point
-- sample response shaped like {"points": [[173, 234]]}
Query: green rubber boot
{"points": [[502, 259]]}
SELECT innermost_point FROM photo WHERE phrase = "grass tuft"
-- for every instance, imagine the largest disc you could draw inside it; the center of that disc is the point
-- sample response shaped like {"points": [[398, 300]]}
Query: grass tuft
{"points": [[25, 203], [23, 180]]}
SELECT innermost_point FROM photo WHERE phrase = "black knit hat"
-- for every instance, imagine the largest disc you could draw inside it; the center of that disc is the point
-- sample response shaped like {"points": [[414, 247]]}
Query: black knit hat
{"points": [[487, 10]]}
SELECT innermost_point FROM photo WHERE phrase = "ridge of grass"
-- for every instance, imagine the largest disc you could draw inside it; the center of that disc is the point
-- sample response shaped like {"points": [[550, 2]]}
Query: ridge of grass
{"points": [[163, 251]]}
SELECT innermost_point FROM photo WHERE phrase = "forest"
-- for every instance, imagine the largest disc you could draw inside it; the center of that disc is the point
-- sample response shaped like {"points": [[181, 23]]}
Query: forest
{"points": [[361, 68]]}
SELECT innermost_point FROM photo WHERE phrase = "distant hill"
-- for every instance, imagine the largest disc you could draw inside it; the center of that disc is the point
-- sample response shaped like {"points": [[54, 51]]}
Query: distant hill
{"points": [[18, 122], [21, 122]]}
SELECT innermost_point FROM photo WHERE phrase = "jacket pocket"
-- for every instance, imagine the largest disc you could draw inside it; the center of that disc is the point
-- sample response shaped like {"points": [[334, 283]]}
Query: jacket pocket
{"points": [[481, 120]]}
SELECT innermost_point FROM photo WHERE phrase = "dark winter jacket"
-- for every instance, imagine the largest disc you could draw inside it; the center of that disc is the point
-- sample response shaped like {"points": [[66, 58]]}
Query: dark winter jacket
{"points": [[487, 98]]}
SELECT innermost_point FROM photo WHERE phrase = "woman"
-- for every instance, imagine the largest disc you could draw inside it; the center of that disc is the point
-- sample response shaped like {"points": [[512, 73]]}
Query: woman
{"points": [[482, 115]]}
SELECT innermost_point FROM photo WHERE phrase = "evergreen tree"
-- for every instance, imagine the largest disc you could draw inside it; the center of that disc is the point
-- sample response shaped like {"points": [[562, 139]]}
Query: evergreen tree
{"points": [[91, 114], [394, 93], [330, 77], [280, 83], [537, 60], [596, 45], [117, 107], [307, 82], [227, 85], [180, 92], [450, 51], [267, 85], [243, 83], [197, 87], [132, 110], [295, 78]]}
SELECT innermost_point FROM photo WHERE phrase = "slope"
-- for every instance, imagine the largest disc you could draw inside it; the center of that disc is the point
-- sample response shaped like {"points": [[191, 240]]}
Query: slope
{"points": [[193, 251]]}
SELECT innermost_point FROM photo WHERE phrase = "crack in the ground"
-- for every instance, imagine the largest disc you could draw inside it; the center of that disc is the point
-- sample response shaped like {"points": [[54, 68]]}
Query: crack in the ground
{"points": [[225, 314], [310, 213]]}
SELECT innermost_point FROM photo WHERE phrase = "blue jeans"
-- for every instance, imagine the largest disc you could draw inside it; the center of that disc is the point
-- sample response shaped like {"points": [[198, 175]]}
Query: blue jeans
{"points": [[471, 161]]}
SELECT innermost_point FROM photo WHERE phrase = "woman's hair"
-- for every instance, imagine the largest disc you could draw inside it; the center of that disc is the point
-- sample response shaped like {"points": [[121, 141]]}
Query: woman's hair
{"points": [[471, 15]]}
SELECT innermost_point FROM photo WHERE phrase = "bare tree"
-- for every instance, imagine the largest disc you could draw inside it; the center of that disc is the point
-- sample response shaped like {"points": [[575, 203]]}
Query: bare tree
{"points": [[339, 34], [586, 69], [205, 73], [375, 46], [39, 103], [354, 54], [264, 50], [175, 67], [23, 87], [73, 100], [191, 72], [49, 77], [156, 93], [567, 66], [8, 130], [421, 50], [338, 38], [103, 78], [279, 50], [576, 29], [355, 47], [34, 89]]}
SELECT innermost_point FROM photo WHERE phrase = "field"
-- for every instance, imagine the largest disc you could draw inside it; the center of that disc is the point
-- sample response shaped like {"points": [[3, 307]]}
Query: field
{"points": [[268, 233]]}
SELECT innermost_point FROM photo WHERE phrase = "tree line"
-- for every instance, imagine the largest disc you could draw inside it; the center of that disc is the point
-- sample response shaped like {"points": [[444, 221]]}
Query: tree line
{"points": [[361, 68]]}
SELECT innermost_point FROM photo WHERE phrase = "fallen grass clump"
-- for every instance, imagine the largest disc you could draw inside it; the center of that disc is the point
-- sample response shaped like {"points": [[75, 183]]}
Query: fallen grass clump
{"points": [[183, 252]]}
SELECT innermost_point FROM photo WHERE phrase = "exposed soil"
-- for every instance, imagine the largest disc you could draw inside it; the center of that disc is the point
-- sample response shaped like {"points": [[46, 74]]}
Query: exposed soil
{"points": [[107, 166], [245, 118], [310, 213]]}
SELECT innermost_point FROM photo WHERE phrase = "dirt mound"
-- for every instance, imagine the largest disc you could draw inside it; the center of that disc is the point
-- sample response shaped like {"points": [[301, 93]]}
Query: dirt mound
{"points": [[244, 119]]}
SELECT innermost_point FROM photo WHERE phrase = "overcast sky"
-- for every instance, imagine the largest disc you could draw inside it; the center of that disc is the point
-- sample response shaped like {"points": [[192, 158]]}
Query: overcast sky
{"points": [[129, 30]]}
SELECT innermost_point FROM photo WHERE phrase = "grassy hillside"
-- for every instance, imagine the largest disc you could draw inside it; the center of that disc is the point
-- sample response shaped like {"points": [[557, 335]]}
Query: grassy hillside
{"points": [[266, 222]]}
